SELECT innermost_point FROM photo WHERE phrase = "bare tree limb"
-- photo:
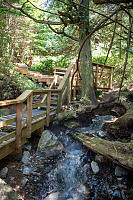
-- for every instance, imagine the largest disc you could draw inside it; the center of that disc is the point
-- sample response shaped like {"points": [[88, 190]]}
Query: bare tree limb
{"points": [[63, 33]]}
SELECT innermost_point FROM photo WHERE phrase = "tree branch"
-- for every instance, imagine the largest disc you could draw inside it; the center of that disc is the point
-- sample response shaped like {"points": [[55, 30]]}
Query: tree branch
{"points": [[63, 33], [42, 9], [34, 19]]}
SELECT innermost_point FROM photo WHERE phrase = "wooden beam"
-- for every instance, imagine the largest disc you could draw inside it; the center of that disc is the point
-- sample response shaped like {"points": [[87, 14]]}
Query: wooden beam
{"points": [[19, 128], [69, 91], [48, 109], [29, 116]]}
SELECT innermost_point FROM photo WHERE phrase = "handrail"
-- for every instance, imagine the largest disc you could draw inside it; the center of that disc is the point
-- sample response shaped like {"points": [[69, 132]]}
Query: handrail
{"points": [[102, 65], [24, 96]]}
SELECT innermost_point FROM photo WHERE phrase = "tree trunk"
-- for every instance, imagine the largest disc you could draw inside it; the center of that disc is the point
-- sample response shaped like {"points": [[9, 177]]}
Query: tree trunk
{"points": [[86, 57]]}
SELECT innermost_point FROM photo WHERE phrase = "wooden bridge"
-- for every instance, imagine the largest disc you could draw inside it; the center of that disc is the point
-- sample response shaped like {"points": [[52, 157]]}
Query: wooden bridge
{"points": [[34, 109]]}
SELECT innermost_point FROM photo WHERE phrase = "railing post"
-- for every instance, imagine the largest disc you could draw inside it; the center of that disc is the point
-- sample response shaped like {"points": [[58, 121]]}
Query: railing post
{"points": [[69, 90], [19, 128], [29, 116], [48, 109], [59, 103], [111, 77]]}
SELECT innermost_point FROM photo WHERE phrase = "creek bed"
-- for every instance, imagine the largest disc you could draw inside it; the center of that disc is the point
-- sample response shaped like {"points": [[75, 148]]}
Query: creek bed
{"points": [[75, 174]]}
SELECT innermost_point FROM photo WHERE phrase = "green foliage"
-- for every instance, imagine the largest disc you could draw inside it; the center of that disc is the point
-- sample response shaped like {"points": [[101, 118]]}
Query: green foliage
{"points": [[45, 67], [12, 84], [118, 70], [62, 62]]}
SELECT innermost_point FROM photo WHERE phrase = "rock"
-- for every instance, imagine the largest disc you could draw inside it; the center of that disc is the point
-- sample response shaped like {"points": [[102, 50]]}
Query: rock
{"points": [[28, 147], [83, 190], [95, 167], [119, 171], [24, 181], [26, 157], [12, 178], [7, 193], [101, 133], [67, 114], [99, 158], [27, 170], [4, 172], [71, 124], [52, 196], [116, 194], [49, 144]]}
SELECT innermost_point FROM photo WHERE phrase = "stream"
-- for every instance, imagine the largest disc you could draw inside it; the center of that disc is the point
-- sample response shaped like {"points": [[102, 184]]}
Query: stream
{"points": [[78, 173], [75, 173]]}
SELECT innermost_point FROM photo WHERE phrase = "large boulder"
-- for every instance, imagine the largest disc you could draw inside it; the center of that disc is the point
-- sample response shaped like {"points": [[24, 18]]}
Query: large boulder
{"points": [[49, 144]]}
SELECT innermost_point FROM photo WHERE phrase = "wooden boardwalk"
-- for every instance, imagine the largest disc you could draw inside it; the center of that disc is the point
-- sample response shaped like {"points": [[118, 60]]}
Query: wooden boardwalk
{"points": [[34, 109]]}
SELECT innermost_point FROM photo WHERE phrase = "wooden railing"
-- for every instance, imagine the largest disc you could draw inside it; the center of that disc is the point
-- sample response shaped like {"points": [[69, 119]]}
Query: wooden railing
{"points": [[25, 106], [28, 118], [103, 75]]}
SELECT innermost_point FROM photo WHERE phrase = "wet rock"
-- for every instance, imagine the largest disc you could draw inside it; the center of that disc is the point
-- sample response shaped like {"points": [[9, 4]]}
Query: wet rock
{"points": [[12, 178], [52, 196], [99, 158], [82, 189], [4, 172], [49, 144], [28, 147], [119, 171], [101, 133], [26, 157], [24, 181], [27, 170], [117, 194], [71, 124], [67, 114], [95, 167], [7, 193]]}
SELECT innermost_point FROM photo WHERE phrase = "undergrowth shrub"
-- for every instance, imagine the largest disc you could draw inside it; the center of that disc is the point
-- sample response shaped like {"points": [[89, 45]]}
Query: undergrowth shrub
{"points": [[12, 84]]}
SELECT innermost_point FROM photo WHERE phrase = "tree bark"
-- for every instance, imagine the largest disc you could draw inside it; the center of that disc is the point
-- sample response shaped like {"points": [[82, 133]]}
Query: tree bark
{"points": [[86, 57]]}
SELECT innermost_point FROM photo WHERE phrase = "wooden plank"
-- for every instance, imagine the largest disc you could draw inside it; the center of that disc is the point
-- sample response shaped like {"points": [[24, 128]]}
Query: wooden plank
{"points": [[101, 65], [65, 78], [9, 148], [18, 128], [63, 69], [7, 122], [48, 109], [36, 105], [24, 95], [44, 91], [59, 102], [29, 116], [7, 136], [51, 86], [39, 115], [111, 78]]}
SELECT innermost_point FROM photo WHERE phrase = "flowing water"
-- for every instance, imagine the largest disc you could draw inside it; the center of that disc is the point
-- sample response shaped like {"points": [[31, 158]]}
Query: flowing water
{"points": [[72, 177], [76, 174]]}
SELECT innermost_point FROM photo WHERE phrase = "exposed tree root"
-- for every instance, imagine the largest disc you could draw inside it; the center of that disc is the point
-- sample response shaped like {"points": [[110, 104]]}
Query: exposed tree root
{"points": [[120, 153]]}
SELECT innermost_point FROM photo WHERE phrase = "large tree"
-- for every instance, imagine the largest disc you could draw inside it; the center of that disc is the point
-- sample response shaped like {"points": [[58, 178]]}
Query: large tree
{"points": [[71, 18]]}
